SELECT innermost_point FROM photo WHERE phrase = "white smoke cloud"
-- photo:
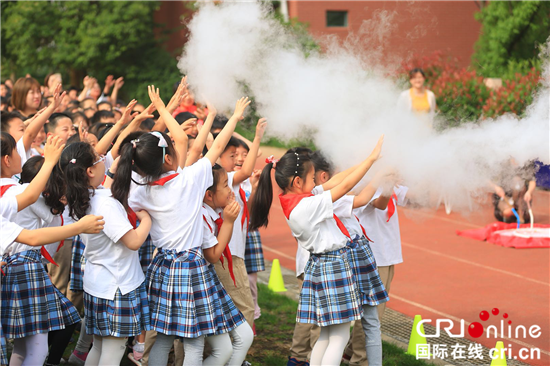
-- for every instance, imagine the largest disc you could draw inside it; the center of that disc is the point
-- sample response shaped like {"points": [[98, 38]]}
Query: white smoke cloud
{"points": [[345, 101]]}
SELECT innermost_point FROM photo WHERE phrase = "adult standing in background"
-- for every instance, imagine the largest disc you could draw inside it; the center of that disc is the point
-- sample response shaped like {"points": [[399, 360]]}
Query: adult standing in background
{"points": [[418, 99]]}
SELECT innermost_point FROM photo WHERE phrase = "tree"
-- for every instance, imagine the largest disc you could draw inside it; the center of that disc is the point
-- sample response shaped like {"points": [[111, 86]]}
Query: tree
{"points": [[511, 34], [87, 37]]}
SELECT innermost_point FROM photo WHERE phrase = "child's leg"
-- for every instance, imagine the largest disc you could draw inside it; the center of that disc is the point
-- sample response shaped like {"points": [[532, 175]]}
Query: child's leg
{"points": [[112, 350], [243, 336], [371, 326], [329, 348], [253, 281], [30, 351], [221, 350], [159, 353], [58, 341], [95, 352], [193, 348], [84, 340]]}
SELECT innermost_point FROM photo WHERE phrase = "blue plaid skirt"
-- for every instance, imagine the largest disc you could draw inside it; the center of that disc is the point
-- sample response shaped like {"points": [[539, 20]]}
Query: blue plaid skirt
{"points": [[125, 316], [366, 274], [146, 254], [183, 297], [253, 254], [228, 316], [31, 304], [77, 265], [329, 294], [3, 348]]}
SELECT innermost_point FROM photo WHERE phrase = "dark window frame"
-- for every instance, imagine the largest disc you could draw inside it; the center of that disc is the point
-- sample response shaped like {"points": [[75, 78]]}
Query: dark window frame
{"points": [[346, 20]]}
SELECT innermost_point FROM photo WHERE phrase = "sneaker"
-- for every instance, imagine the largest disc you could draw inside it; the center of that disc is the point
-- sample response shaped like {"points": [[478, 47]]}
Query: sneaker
{"points": [[133, 357], [295, 362], [78, 358], [246, 363]]}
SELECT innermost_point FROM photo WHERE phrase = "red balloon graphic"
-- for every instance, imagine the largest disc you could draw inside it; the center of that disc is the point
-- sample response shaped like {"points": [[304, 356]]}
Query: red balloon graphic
{"points": [[495, 311], [505, 315], [475, 329], [484, 315]]}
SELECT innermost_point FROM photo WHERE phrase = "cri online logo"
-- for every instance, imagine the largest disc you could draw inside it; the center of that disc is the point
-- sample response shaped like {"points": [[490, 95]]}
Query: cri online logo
{"points": [[476, 329]]}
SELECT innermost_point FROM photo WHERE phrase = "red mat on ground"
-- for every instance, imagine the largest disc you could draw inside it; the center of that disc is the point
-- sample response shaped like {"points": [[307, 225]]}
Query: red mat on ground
{"points": [[502, 234]]}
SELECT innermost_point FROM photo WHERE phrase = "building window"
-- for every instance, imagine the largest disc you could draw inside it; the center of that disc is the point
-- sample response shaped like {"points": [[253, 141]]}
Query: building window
{"points": [[337, 18]]}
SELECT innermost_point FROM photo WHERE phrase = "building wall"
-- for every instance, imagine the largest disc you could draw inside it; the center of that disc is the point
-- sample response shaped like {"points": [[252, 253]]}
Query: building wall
{"points": [[173, 14], [402, 28]]}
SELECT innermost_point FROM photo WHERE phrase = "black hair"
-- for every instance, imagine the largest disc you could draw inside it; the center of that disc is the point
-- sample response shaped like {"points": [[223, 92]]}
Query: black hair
{"points": [[75, 160], [219, 123], [4, 100], [76, 114], [184, 116], [241, 143], [55, 187], [300, 150], [74, 138], [146, 158], [290, 166], [147, 124], [6, 118], [415, 71], [71, 88], [8, 144], [99, 115], [321, 163], [217, 172], [108, 103], [54, 120]]}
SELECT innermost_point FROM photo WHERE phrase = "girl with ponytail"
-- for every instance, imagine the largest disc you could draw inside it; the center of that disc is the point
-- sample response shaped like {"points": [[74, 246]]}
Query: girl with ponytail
{"points": [[330, 296], [180, 286], [113, 281]]}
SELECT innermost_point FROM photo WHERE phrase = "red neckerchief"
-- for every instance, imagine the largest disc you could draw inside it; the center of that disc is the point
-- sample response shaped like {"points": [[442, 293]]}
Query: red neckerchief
{"points": [[132, 217], [391, 206], [226, 251], [290, 201], [363, 229], [43, 251], [246, 214], [162, 181]]}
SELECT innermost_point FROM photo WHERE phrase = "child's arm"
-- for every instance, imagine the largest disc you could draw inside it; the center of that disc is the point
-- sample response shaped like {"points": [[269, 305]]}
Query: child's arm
{"points": [[103, 144], [52, 153], [174, 102], [114, 95], [200, 141], [351, 180], [34, 127], [250, 161], [230, 214], [135, 238], [223, 137], [176, 133], [89, 224], [132, 127]]}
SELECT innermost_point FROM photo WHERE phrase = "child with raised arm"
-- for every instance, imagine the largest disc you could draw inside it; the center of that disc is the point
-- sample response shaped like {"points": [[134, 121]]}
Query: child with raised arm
{"points": [[330, 296], [217, 233], [178, 280], [114, 281]]}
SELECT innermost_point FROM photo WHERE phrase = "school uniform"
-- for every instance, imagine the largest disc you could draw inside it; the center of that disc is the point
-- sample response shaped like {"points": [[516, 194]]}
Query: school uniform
{"points": [[239, 289], [228, 310], [30, 303], [115, 299], [329, 293], [10, 232], [180, 286], [253, 254]]}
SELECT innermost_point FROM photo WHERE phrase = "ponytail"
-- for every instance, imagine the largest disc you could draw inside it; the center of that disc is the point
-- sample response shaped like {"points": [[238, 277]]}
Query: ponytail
{"points": [[261, 201], [123, 176], [75, 160]]}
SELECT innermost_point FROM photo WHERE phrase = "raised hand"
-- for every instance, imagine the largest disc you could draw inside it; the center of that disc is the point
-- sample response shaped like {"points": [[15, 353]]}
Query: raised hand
{"points": [[128, 115], [240, 107], [119, 83], [211, 109], [375, 154], [147, 113], [154, 95], [53, 149], [109, 82], [189, 124], [181, 92], [28, 121], [57, 97], [260, 128]]}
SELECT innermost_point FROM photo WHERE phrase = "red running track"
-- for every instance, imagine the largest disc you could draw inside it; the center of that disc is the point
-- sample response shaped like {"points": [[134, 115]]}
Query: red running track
{"points": [[445, 276]]}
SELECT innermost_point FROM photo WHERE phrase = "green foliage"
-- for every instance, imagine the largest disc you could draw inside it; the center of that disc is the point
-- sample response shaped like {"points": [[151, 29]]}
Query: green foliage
{"points": [[87, 37], [512, 33]]}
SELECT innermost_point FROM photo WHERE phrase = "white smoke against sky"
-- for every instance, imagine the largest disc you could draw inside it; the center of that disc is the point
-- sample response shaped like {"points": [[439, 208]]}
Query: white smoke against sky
{"points": [[345, 104]]}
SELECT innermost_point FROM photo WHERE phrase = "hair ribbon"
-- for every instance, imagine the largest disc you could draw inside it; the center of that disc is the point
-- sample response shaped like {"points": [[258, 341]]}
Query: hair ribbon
{"points": [[272, 160], [162, 143]]}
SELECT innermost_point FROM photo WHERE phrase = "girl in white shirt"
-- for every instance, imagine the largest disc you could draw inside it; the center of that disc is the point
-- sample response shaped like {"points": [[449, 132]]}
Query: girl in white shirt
{"points": [[329, 296], [115, 299], [180, 286]]}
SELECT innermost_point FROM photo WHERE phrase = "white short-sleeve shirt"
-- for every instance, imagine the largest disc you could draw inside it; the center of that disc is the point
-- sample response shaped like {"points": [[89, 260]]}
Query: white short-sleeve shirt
{"points": [[110, 265], [176, 207], [9, 230], [24, 154], [237, 244], [35, 216], [210, 229], [386, 237]]}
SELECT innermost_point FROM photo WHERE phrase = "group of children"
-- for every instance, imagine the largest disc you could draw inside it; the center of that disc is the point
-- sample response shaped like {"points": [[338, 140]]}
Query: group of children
{"points": [[162, 231]]}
